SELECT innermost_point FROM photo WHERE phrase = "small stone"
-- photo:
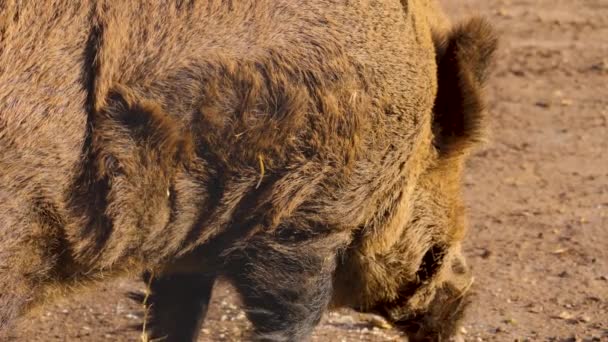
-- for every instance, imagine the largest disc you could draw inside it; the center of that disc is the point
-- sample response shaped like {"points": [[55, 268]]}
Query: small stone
{"points": [[380, 322], [565, 315], [501, 12], [566, 102], [585, 319], [601, 66]]}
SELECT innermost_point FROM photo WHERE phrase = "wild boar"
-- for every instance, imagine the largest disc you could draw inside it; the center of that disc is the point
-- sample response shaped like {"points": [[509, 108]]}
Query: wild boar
{"points": [[309, 152]]}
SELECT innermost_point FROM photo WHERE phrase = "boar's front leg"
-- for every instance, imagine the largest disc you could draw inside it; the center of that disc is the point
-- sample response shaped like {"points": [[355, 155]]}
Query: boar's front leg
{"points": [[285, 287], [177, 305]]}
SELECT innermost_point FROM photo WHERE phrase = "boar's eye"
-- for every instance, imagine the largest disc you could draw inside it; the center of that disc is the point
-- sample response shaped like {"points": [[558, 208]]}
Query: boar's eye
{"points": [[431, 262]]}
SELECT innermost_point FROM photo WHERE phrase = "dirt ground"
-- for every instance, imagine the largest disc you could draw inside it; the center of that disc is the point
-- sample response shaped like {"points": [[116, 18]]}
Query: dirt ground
{"points": [[537, 193]]}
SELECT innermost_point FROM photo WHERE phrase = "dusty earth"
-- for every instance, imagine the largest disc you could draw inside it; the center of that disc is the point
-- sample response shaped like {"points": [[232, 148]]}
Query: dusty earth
{"points": [[537, 193]]}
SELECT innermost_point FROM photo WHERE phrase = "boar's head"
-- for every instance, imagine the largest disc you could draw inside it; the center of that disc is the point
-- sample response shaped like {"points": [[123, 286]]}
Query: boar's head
{"points": [[421, 282]]}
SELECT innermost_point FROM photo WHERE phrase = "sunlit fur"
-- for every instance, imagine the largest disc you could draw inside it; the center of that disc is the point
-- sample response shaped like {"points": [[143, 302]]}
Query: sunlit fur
{"points": [[300, 149]]}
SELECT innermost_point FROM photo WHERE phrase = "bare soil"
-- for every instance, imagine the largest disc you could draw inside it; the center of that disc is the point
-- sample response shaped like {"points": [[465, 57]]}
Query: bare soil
{"points": [[537, 196]]}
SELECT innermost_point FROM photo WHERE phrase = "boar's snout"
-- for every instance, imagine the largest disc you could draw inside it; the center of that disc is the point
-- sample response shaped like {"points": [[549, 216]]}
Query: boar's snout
{"points": [[433, 309]]}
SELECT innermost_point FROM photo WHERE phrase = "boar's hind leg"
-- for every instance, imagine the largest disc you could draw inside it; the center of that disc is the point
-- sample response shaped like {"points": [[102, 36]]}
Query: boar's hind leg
{"points": [[177, 305], [285, 289]]}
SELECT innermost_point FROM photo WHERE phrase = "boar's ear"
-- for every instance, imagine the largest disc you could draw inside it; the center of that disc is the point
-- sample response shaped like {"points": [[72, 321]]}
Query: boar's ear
{"points": [[464, 57]]}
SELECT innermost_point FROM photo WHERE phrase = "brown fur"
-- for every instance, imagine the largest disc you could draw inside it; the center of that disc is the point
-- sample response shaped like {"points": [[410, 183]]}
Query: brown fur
{"points": [[133, 141]]}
